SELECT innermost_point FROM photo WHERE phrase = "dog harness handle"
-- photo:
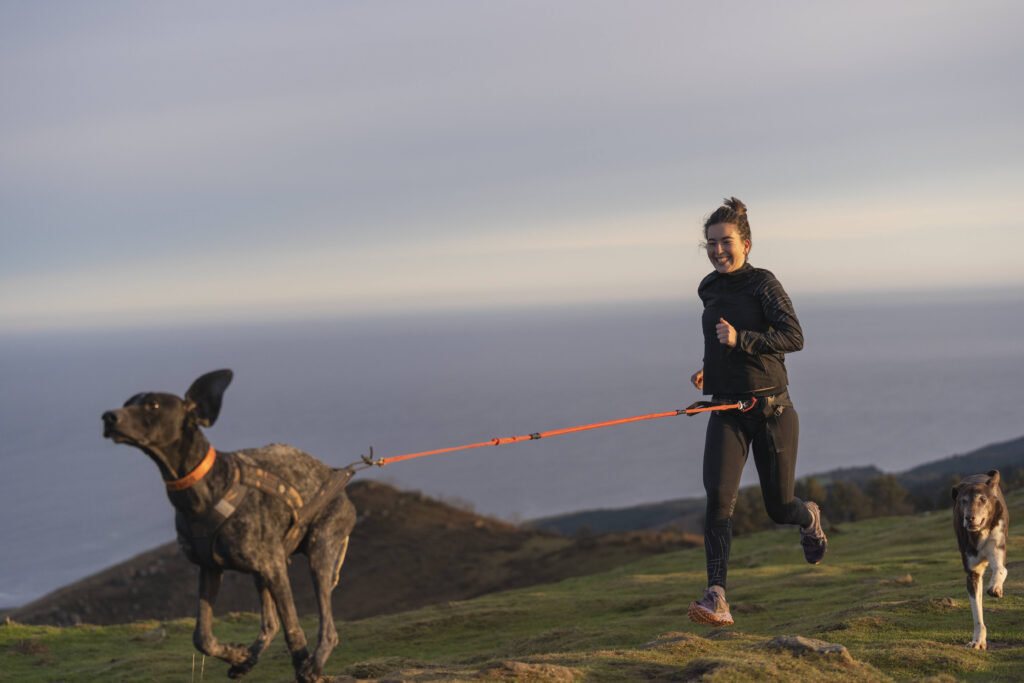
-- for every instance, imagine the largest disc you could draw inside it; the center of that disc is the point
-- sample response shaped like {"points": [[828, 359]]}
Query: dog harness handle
{"points": [[193, 477]]}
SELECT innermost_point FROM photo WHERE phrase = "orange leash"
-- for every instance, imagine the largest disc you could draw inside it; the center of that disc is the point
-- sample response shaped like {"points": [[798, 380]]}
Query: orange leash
{"points": [[699, 407]]}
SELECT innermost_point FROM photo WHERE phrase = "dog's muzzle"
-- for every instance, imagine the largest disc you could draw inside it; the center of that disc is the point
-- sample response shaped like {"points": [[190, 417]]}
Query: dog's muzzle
{"points": [[110, 420]]}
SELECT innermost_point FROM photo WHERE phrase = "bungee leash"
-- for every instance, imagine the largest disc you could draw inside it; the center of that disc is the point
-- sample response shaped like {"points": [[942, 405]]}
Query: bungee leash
{"points": [[695, 408]]}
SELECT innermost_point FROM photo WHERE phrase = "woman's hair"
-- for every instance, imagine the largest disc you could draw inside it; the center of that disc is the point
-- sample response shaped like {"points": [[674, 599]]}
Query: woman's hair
{"points": [[732, 211]]}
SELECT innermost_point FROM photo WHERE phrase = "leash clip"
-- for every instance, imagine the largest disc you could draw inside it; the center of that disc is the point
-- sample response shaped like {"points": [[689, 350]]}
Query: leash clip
{"points": [[747, 406], [368, 459]]}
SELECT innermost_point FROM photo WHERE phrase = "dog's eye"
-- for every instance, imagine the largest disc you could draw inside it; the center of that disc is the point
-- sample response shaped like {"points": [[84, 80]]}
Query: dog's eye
{"points": [[152, 405]]}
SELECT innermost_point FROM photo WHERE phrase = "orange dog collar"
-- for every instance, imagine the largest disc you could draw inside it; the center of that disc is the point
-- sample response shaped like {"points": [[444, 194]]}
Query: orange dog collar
{"points": [[193, 477]]}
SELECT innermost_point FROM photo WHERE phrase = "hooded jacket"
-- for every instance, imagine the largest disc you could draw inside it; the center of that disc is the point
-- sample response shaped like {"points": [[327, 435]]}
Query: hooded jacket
{"points": [[753, 301]]}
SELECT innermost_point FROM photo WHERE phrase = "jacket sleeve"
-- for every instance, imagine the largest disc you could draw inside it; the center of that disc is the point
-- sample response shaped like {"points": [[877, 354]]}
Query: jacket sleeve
{"points": [[784, 334]]}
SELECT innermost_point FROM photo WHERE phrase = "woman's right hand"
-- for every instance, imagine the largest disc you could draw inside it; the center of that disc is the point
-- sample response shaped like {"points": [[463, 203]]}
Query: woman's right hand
{"points": [[697, 379]]}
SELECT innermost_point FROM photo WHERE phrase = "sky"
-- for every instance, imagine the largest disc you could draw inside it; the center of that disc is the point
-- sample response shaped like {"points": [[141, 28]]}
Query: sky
{"points": [[174, 162]]}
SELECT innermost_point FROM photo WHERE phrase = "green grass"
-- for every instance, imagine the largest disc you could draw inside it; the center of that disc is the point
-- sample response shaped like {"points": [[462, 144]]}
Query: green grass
{"points": [[883, 592]]}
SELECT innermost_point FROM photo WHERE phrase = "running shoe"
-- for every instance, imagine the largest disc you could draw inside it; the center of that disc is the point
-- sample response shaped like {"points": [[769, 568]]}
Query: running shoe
{"points": [[712, 609], [813, 538]]}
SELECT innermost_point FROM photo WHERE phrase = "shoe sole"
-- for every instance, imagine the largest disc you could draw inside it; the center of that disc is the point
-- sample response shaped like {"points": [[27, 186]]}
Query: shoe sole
{"points": [[700, 615]]}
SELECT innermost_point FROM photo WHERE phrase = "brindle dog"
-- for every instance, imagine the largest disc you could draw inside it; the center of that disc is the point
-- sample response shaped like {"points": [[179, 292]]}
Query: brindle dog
{"points": [[245, 510], [981, 521]]}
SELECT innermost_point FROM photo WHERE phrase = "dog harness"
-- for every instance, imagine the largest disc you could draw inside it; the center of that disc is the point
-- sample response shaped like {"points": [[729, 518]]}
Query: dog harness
{"points": [[197, 536]]}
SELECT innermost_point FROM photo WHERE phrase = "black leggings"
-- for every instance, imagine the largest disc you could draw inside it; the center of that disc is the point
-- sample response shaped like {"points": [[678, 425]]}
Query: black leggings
{"points": [[773, 431]]}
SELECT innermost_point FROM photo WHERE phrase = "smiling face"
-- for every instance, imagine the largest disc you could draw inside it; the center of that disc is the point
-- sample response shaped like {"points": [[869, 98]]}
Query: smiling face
{"points": [[727, 251]]}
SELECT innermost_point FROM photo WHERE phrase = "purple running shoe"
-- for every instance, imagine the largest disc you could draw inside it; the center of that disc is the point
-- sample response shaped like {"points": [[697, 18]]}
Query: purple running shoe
{"points": [[813, 538], [712, 609]]}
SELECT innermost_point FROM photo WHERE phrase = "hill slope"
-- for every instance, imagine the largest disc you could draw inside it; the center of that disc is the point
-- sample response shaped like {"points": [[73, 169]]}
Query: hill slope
{"points": [[687, 514], [891, 591], [407, 551]]}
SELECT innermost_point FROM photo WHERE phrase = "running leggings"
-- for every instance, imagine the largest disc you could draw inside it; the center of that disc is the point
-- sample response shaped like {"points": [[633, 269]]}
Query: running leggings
{"points": [[772, 431]]}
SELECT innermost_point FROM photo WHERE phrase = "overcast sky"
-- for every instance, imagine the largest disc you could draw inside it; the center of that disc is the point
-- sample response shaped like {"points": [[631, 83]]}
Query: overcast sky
{"points": [[187, 160]]}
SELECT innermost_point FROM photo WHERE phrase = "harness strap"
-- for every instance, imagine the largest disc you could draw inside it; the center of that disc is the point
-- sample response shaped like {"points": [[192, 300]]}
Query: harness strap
{"points": [[258, 478], [335, 483], [197, 536]]}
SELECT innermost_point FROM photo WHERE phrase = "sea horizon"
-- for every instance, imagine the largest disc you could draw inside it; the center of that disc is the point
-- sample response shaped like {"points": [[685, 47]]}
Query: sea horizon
{"points": [[889, 381]]}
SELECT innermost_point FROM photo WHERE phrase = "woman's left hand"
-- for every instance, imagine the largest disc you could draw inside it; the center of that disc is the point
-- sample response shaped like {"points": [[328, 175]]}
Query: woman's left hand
{"points": [[726, 333]]}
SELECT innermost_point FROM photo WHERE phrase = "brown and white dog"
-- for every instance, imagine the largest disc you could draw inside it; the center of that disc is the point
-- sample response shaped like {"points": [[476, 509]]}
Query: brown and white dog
{"points": [[981, 521]]}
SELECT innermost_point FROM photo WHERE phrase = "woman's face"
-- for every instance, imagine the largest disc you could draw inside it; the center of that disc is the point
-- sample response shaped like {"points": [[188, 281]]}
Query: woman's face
{"points": [[726, 251]]}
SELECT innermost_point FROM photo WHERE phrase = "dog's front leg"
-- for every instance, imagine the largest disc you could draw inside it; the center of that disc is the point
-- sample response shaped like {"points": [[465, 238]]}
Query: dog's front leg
{"points": [[974, 581], [998, 563], [203, 638], [268, 629]]}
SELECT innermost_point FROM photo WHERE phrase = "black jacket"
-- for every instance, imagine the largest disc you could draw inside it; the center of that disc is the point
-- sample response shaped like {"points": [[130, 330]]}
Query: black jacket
{"points": [[751, 300]]}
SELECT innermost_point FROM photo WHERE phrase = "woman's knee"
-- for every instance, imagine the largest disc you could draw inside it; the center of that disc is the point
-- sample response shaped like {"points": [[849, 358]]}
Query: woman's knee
{"points": [[720, 508], [784, 513]]}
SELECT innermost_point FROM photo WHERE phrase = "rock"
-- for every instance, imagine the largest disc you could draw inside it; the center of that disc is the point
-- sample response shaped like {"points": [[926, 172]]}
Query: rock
{"points": [[945, 603], [157, 635], [799, 645]]}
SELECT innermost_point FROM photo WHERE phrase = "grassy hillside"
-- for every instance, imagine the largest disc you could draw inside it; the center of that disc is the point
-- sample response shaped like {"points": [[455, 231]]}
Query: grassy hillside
{"points": [[925, 482], [891, 591]]}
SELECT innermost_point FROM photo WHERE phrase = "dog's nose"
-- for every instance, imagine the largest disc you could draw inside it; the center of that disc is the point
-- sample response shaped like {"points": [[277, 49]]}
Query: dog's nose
{"points": [[109, 418]]}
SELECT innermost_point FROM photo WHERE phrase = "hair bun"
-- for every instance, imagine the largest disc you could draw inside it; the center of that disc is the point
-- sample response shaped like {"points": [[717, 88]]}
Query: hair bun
{"points": [[736, 205]]}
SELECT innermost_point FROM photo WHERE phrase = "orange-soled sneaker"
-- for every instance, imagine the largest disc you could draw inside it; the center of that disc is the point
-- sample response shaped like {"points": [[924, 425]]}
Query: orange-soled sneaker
{"points": [[813, 538], [712, 609]]}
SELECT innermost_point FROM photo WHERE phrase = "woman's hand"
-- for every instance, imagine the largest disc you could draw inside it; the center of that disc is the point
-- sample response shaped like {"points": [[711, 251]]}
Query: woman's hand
{"points": [[726, 333], [697, 379]]}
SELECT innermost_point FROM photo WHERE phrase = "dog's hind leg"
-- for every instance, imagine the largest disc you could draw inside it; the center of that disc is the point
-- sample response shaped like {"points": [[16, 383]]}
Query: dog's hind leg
{"points": [[974, 581], [269, 626], [325, 561], [275, 578], [203, 638]]}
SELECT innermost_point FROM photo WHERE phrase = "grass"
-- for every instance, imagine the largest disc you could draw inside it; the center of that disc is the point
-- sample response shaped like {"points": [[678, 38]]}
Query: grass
{"points": [[891, 591]]}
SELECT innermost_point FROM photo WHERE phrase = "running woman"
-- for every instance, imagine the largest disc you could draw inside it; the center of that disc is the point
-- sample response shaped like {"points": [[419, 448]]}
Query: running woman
{"points": [[749, 325]]}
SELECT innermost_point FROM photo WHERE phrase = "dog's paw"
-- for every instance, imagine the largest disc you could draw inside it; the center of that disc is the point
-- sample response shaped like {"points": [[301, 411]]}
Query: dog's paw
{"points": [[238, 656], [978, 645], [239, 670], [995, 592], [307, 673]]}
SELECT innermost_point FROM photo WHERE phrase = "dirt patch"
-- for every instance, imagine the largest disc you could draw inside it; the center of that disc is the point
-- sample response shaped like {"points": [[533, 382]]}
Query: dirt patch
{"points": [[525, 671], [30, 647]]}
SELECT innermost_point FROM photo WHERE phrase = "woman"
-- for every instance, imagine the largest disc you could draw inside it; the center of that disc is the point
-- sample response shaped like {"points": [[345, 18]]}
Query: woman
{"points": [[749, 325]]}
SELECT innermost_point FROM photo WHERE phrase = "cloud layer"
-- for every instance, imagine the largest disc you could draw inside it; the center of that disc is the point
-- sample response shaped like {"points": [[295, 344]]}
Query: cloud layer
{"points": [[370, 156]]}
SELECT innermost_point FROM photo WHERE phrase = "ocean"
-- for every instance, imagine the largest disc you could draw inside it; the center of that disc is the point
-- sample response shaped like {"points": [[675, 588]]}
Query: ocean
{"points": [[884, 380]]}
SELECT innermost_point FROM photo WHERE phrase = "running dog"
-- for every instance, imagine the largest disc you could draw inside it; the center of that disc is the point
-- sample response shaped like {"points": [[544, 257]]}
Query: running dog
{"points": [[981, 521], [246, 510]]}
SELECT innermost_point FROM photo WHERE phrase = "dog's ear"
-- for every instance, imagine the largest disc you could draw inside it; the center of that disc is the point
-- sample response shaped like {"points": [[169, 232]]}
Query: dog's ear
{"points": [[956, 492], [993, 478], [205, 394]]}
